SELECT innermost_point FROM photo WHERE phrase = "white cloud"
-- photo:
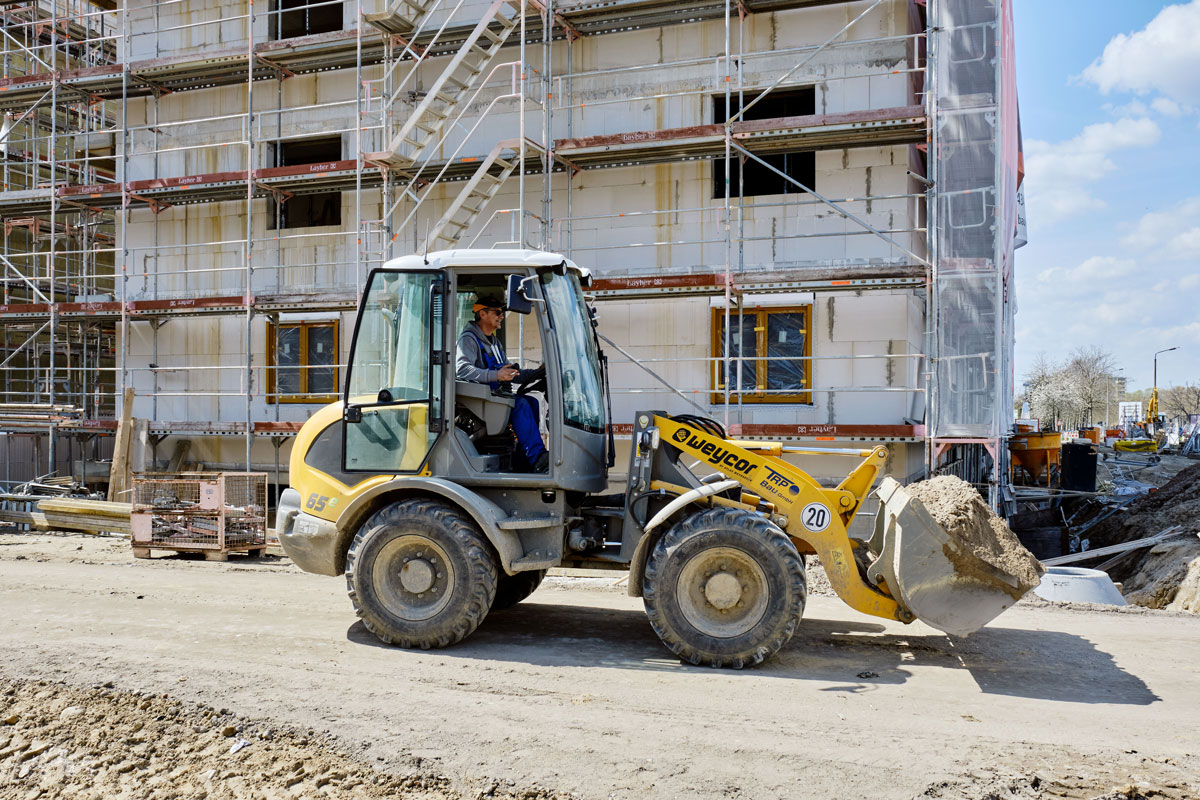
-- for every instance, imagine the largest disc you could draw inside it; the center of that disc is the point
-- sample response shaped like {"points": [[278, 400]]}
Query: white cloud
{"points": [[1173, 234], [1167, 107], [1096, 268], [1189, 282], [1134, 108], [1190, 330], [1163, 57], [1058, 174]]}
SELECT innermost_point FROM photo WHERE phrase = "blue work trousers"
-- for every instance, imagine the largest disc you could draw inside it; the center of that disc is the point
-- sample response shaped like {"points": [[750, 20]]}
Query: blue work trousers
{"points": [[524, 422]]}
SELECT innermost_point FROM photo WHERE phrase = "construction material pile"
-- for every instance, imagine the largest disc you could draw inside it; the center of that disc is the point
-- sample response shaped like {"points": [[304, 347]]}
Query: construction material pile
{"points": [[1168, 574], [62, 504], [959, 509], [61, 741]]}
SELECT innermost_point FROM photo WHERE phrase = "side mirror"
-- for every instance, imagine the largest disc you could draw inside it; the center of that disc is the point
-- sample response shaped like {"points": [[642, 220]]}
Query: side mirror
{"points": [[514, 296]]}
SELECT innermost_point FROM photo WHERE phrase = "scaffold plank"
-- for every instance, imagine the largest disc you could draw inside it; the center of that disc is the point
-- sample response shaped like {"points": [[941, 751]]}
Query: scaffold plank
{"points": [[339, 50], [189, 305], [821, 432], [855, 277]]}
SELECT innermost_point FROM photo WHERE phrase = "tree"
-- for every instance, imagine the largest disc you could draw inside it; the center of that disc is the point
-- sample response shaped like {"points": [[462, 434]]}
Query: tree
{"points": [[1090, 372], [1071, 393], [1179, 401]]}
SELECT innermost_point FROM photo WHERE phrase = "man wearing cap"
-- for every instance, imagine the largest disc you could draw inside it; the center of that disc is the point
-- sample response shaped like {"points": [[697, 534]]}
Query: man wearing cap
{"points": [[481, 359]]}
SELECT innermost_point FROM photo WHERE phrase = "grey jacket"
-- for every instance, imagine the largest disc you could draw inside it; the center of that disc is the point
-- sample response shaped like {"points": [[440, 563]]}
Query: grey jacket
{"points": [[470, 365]]}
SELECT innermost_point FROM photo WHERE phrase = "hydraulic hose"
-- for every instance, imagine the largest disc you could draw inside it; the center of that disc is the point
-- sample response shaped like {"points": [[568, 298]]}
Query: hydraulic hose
{"points": [[688, 497]]}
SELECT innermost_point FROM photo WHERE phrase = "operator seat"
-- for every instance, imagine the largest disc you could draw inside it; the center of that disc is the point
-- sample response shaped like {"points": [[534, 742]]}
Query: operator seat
{"points": [[483, 417]]}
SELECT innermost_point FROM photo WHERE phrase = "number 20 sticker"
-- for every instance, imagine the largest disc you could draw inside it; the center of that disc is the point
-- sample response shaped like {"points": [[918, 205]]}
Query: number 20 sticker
{"points": [[815, 517]]}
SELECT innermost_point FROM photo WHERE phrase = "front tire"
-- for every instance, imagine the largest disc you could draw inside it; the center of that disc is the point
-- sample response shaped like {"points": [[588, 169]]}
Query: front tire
{"points": [[421, 574], [724, 588]]}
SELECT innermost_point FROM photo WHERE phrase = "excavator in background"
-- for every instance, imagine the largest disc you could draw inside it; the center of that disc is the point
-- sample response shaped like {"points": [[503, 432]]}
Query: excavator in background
{"points": [[407, 488]]}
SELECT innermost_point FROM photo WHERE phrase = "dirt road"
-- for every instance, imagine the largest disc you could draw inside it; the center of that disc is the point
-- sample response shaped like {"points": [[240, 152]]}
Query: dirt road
{"points": [[571, 691]]}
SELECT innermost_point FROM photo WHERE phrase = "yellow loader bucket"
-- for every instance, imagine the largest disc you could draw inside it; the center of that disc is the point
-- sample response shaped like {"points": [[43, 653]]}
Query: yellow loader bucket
{"points": [[940, 576]]}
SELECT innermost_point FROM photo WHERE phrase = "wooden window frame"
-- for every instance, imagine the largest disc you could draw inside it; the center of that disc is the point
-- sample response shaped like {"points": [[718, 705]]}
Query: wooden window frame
{"points": [[759, 393], [303, 396]]}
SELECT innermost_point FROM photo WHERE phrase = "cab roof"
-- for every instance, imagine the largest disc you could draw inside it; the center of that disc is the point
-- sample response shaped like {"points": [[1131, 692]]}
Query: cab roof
{"points": [[497, 257]]}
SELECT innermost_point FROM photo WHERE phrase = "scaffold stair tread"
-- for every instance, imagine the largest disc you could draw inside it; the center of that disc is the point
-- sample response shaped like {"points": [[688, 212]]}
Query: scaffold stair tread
{"points": [[452, 85]]}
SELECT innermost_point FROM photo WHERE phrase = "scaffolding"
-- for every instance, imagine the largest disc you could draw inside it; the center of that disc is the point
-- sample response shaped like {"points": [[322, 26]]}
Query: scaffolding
{"points": [[474, 124]]}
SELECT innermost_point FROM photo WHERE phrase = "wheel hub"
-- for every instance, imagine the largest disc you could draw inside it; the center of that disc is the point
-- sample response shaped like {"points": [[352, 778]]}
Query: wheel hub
{"points": [[723, 590], [417, 575], [413, 577]]}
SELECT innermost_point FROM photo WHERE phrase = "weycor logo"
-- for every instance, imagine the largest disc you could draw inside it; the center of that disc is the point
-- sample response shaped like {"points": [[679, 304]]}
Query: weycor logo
{"points": [[714, 453]]}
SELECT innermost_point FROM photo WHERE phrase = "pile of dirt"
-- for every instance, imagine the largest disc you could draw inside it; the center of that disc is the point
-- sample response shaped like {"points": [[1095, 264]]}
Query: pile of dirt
{"points": [[1168, 575], [1177, 502], [61, 741], [960, 510]]}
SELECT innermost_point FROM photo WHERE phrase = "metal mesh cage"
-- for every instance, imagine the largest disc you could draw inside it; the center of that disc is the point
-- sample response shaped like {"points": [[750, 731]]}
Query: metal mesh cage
{"points": [[210, 511]]}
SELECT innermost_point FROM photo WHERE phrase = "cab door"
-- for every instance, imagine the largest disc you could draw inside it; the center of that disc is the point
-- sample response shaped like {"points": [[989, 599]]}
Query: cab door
{"points": [[393, 411]]}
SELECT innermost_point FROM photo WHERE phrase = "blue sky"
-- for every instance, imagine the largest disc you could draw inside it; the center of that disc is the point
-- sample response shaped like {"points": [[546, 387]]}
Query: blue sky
{"points": [[1110, 113]]}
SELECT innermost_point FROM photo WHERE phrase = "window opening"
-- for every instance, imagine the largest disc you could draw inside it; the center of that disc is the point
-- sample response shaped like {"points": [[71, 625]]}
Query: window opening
{"points": [[759, 180], [302, 18], [308, 210]]}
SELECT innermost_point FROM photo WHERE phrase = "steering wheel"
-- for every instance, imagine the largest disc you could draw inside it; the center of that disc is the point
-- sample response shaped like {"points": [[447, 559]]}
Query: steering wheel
{"points": [[537, 382]]}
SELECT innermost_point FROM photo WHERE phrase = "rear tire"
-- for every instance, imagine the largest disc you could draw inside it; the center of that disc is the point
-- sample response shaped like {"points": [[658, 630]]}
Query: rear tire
{"points": [[512, 589], [724, 588], [421, 574]]}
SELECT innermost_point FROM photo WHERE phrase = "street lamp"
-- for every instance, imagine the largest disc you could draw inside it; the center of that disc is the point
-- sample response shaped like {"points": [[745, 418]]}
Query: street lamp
{"points": [[1108, 387], [1169, 349], [1115, 378], [1152, 411]]}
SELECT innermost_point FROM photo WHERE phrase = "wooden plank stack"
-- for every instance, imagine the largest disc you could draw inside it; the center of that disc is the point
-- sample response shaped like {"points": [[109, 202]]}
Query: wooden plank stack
{"points": [[69, 514]]}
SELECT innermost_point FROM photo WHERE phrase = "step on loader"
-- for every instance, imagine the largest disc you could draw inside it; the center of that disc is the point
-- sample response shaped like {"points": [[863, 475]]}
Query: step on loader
{"points": [[412, 488]]}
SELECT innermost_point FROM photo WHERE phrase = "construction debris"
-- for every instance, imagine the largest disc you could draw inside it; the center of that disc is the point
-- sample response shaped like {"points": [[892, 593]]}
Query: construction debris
{"points": [[1168, 574], [1124, 548]]}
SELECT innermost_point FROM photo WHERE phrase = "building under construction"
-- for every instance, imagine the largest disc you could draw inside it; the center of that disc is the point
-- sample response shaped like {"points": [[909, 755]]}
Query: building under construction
{"points": [[800, 214]]}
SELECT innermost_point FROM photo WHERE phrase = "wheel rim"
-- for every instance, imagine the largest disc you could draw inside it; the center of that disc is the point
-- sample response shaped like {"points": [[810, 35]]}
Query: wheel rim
{"points": [[413, 577], [722, 592]]}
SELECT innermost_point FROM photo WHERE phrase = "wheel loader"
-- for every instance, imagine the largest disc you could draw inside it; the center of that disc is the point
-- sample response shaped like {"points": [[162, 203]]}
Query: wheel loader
{"points": [[409, 488]]}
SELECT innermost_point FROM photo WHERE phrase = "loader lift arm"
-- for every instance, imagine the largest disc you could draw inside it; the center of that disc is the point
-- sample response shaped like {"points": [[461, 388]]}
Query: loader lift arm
{"points": [[815, 518]]}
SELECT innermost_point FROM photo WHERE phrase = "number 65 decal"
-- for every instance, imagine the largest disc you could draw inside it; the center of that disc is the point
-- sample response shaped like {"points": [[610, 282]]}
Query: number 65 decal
{"points": [[815, 517]]}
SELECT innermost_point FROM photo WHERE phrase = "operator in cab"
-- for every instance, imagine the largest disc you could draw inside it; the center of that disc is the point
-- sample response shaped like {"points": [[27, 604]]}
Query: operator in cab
{"points": [[481, 359]]}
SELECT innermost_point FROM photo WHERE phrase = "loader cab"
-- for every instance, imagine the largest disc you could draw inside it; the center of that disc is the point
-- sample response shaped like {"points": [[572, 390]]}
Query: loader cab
{"points": [[405, 410]]}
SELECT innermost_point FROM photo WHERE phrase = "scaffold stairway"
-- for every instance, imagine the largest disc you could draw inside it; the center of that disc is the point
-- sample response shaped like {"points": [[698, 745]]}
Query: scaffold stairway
{"points": [[426, 125], [402, 17], [475, 195]]}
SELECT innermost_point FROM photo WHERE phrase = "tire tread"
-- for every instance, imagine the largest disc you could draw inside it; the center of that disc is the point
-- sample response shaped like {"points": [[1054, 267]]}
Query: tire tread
{"points": [[753, 525], [481, 574]]}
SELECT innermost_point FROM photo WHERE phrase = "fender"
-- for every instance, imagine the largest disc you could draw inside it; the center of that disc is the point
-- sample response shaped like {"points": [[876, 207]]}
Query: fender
{"points": [[483, 511], [637, 565]]}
